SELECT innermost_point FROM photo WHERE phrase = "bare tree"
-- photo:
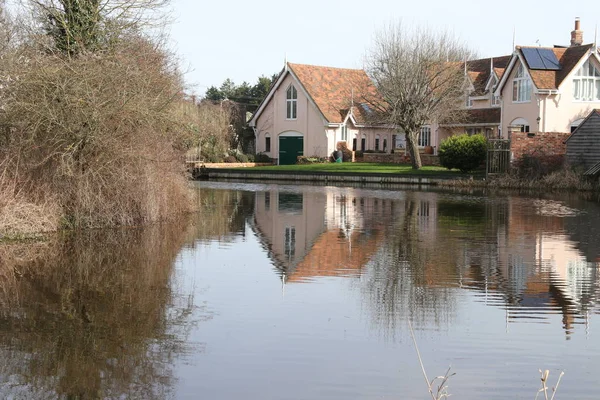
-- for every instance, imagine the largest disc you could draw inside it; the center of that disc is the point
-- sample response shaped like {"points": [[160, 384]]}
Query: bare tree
{"points": [[89, 25], [419, 74]]}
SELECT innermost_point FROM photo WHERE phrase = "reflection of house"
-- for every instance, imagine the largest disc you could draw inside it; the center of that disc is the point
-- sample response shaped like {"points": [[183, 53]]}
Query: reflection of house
{"points": [[310, 234]]}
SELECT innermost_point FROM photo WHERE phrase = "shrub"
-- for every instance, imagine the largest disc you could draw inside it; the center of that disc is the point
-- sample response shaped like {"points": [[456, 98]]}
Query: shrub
{"points": [[463, 152], [241, 157], [302, 160], [262, 158], [358, 154], [537, 165], [230, 159]]}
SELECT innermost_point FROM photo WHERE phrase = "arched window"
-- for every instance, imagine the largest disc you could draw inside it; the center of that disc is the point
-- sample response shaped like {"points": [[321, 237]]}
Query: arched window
{"points": [[586, 83], [292, 102], [575, 124], [521, 86], [520, 123], [267, 142], [384, 144]]}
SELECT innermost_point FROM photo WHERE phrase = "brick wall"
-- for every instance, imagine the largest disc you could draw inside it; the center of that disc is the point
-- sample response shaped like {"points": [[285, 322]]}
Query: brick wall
{"points": [[543, 143], [399, 158]]}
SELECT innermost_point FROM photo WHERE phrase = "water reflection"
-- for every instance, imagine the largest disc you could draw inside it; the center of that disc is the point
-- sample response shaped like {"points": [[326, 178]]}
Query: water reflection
{"points": [[92, 315], [411, 251]]}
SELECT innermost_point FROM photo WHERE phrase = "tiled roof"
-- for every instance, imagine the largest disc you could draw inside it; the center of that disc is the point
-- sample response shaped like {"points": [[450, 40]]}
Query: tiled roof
{"points": [[332, 89], [479, 71], [568, 57], [478, 116]]}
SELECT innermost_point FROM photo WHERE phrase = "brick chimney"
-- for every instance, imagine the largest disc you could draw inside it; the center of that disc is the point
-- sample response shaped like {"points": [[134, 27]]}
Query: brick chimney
{"points": [[577, 34]]}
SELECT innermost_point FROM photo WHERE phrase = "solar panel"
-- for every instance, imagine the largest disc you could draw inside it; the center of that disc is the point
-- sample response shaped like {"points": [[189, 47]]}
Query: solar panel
{"points": [[533, 58], [549, 59], [538, 58]]}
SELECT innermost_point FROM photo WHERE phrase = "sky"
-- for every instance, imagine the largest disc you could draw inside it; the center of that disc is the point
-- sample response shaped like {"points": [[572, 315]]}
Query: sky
{"points": [[243, 40]]}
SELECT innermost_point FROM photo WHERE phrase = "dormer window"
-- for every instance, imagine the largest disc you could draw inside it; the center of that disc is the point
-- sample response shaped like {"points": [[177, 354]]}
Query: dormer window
{"points": [[292, 103], [521, 86], [469, 101], [586, 83], [495, 100]]}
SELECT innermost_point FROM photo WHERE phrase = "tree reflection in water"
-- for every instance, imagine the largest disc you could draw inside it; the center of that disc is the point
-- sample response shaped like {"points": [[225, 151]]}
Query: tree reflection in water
{"points": [[92, 315]]}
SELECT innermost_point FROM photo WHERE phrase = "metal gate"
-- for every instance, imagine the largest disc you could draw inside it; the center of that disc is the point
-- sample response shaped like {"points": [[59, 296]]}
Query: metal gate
{"points": [[498, 157]]}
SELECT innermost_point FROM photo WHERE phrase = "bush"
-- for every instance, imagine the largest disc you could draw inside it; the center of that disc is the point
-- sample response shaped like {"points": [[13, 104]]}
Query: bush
{"points": [[241, 157], [358, 154], [463, 152], [230, 159], [302, 160], [250, 158], [537, 165], [262, 158]]}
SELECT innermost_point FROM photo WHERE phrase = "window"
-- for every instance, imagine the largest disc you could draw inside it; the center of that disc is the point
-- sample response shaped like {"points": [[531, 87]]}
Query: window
{"points": [[344, 133], [377, 142], [586, 84], [354, 144], [521, 86], [267, 201], [384, 144], [469, 101], [473, 131], [575, 124], [495, 100], [425, 137], [521, 124], [292, 102], [267, 143], [363, 143], [290, 242]]}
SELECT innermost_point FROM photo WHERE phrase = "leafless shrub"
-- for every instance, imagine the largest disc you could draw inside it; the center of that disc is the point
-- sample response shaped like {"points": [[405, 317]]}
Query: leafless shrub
{"points": [[98, 133]]}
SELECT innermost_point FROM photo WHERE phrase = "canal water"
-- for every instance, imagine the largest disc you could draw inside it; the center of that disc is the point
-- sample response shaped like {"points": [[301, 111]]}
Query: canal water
{"points": [[306, 292]]}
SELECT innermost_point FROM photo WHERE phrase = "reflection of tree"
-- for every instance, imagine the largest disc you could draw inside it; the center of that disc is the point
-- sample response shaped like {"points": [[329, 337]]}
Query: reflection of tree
{"points": [[223, 213], [398, 284], [92, 315]]}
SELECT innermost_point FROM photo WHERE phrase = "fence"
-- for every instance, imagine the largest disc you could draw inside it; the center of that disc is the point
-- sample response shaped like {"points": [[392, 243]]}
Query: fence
{"points": [[498, 157]]}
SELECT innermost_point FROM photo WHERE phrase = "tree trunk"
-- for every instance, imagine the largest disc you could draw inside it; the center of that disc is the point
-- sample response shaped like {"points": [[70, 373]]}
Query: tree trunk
{"points": [[412, 144]]}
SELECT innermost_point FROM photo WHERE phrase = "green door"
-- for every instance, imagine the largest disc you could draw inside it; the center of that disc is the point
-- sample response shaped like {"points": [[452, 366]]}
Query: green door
{"points": [[290, 147]]}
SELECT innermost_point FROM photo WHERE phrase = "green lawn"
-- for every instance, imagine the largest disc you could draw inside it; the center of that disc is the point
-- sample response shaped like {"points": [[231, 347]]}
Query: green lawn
{"points": [[350, 168]]}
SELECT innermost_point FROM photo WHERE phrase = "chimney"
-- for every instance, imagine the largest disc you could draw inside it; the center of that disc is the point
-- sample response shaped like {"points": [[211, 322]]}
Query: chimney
{"points": [[577, 34]]}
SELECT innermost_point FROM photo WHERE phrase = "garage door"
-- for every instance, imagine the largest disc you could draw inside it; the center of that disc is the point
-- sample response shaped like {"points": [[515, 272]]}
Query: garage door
{"points": [[290, 147]]}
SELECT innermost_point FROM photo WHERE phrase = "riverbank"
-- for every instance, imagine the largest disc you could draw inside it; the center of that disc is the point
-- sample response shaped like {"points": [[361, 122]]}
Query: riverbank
{"points": [[347, 173]]}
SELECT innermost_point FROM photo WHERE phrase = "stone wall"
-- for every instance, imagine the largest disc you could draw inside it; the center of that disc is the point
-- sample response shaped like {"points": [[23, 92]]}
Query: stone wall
{"points": [[399, 158], [540, 143]]}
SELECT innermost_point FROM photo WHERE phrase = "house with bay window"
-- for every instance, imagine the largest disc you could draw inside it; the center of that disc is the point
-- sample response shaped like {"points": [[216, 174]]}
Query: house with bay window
{"points": [[310, 109]]}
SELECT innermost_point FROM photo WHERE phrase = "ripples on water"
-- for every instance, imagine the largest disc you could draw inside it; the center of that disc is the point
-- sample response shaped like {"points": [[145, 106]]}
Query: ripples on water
{"points": [[304, 292]]}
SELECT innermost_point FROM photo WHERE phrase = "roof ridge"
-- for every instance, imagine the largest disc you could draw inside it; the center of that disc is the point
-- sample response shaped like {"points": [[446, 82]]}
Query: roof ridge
{"points": [[325, 66]]}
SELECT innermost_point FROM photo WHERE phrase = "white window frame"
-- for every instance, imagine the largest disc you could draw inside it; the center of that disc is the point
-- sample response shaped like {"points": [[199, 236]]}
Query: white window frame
{"points": [[469, 101], [586, 83], [522, 87], [269, 141], [291, 103], [344, 133], [424, 136]]}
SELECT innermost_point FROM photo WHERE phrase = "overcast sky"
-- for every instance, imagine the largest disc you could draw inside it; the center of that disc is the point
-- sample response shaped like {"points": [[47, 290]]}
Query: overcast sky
{"points": [[242, 40]]}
